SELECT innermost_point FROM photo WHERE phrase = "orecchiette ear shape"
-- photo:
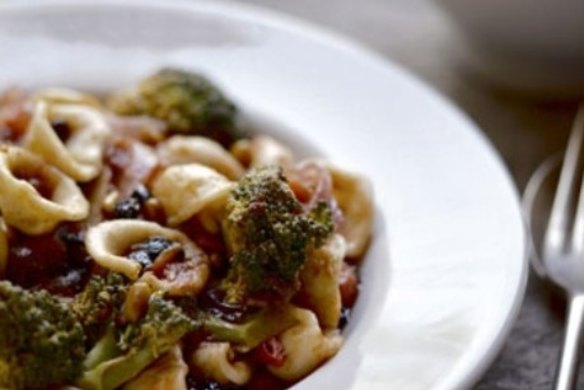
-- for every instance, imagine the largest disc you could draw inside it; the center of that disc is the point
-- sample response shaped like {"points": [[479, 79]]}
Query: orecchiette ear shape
{"points": [[267, 151], [108, 243], [185, 190], [169, 372], [320, 281], [23, 206], [355, 198], [194, 149], [215, 360], [79, 156], [65, 96], [262, 150], [306, 347]]}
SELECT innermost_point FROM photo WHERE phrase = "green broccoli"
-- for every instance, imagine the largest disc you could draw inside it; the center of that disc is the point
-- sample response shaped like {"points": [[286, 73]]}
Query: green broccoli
{"points": [[268, 234], [99, 303], [119, 356], [42, 342], [187, 102], [256, 329]]}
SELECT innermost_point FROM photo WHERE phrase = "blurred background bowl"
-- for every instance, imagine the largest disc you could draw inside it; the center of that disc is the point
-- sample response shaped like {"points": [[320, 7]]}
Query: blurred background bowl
{"points": [[527, 45]]}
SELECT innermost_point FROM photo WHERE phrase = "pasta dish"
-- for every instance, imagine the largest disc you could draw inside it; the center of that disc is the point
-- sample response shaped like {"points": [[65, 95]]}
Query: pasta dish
{"points": [[150, 240]]}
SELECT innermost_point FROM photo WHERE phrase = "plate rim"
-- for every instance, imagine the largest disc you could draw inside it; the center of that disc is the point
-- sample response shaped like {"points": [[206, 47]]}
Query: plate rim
{"points": [[465, 373]]}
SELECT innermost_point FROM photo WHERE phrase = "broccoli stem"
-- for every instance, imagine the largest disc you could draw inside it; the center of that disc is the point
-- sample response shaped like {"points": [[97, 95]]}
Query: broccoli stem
{"points": [[251, 333], [120, 356], [105, 349], [113, 373]]}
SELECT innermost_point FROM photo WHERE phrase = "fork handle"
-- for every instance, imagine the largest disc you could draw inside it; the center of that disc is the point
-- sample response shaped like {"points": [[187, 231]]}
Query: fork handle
{"points": [[567, 373]]}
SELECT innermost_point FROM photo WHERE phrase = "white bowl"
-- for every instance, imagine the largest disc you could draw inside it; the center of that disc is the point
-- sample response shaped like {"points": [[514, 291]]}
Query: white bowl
{"points": [[444, 276], [530, 45]]}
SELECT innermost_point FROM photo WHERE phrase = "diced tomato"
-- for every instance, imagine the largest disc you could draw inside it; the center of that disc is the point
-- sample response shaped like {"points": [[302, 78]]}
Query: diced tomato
{"points": [[14, 114], [207, 241], [271, 352], [312, 184], [302, 192], [18, 122], [35, 260]]}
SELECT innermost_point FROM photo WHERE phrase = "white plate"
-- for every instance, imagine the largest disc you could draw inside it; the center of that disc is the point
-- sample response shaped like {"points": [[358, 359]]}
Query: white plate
{"points": [[437, 301]]}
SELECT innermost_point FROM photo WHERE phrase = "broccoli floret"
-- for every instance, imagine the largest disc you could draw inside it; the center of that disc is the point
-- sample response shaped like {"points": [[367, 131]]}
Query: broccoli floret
{"points": [[163, 324], [117, 358], [187, 102], [42, 342], [268, 234], [99, 303]]}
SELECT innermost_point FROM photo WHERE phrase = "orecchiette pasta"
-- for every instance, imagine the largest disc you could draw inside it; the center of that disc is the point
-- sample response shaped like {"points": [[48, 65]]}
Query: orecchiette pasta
{"points": [[108, 242], [167, 373], [306, 347], [262, 150], [215, 360], [185, 190], [320, 281], [97, 195], [184, 150], [354, 196], [65, 96], [80, 156], [147, 224], [23, 206]]}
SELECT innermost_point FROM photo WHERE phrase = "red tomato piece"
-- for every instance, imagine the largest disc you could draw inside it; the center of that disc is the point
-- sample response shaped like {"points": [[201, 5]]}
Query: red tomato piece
{"points": [[271, 352]]}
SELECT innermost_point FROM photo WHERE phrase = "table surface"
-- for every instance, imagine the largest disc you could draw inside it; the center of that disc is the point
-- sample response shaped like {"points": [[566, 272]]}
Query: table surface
{"points": [[524, 129]]}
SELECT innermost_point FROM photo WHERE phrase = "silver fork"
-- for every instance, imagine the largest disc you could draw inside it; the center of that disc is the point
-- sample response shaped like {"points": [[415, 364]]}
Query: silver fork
{"points": [[563, 250]]}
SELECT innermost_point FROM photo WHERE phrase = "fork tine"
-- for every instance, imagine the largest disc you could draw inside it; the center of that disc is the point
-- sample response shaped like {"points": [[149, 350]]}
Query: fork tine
{"points": [[578, 230], [560, 217]]}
